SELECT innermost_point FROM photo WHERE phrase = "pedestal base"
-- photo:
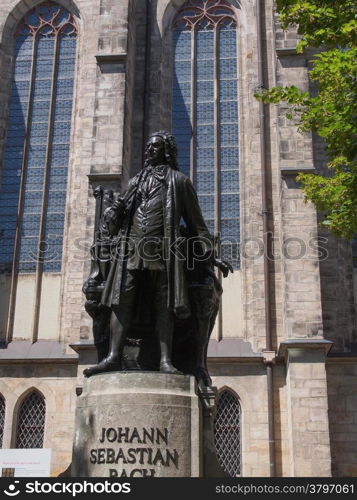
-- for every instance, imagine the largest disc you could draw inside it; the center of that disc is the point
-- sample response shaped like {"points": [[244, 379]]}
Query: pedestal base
{"points": [[137, 424]]}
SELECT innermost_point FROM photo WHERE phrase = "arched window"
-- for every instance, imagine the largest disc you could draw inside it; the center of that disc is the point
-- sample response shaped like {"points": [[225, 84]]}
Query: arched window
{"points": [[35, 160], [205, 113], [31, 422], [227, 435], [2, 418]]}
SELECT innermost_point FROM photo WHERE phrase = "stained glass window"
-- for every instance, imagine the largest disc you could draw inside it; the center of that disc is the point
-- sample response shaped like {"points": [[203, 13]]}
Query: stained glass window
{"points": [[227, 433], [2, 418], [31, 422], [205, 114], [35, 162]]}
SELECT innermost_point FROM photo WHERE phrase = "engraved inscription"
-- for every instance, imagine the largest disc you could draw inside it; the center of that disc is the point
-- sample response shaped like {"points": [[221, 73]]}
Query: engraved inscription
{"points": [[156, 453]]}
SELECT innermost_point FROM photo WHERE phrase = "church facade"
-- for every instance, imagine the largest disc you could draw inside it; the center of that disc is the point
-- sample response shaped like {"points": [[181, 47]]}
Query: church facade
{"points": [[83, 84]]}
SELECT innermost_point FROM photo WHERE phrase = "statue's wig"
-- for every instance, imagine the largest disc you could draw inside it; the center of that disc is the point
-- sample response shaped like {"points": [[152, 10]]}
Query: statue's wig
{"points": [[170, 148]]}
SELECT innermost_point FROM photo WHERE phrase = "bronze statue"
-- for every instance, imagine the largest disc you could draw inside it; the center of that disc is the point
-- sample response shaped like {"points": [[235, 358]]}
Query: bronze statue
{"points": [[143, 254]]}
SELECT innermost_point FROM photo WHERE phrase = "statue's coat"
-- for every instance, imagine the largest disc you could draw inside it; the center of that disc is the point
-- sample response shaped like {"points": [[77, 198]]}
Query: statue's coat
{"points": [[180, 202]]}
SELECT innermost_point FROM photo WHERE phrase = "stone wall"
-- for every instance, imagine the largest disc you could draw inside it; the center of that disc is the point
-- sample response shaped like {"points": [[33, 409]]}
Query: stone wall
{"points": [[281, 422], [298, 237], [57, 385], [342, 406], [333, 287], [248, 381], [310, 453]]}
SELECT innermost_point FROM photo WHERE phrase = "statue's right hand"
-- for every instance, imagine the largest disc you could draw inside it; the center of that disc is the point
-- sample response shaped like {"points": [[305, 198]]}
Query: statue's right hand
{"points": [[118, 206], [111, 215]]}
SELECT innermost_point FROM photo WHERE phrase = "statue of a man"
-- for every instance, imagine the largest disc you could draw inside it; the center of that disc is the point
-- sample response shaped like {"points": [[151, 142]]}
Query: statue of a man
{"points": [[145, 226]]}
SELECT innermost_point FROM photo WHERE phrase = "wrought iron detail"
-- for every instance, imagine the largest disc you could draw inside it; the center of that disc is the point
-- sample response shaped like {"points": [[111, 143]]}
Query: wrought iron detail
{"points": [[31, 422], [227, 433], [210, 12], [2, 417]]}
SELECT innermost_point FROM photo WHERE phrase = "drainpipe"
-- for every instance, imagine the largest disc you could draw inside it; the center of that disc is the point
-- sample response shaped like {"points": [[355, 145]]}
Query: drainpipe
{"points": [[260, 12]]}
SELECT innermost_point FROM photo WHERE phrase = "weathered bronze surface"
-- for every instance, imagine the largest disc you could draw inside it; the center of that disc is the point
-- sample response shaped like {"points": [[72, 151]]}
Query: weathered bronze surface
{"points": [[153, 293]]}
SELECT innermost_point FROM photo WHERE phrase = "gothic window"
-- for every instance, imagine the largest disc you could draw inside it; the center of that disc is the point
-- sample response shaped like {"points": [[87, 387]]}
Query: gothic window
{"points": [[31, 422], [205, 113], [2, 417], [35, 161], [227, 435]]}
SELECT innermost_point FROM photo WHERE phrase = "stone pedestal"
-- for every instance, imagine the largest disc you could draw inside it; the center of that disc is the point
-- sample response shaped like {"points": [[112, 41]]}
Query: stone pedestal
{"points": [[137, 424]]}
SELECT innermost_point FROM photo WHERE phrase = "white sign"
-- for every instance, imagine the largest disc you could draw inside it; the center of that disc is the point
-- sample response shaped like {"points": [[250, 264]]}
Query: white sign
{"points": [[25, 462]]}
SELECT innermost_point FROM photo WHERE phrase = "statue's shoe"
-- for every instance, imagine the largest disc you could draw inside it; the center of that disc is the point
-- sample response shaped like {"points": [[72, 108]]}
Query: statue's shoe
{"points": [[103, 367], [168, 367]]}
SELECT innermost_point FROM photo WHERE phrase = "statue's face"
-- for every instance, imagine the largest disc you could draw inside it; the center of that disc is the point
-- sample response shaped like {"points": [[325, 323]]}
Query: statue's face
{"points": [[155, 150]]}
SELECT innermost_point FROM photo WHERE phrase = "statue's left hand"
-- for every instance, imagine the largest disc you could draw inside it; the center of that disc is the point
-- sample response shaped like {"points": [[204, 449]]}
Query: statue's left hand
{"points": [[224, 266]]}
